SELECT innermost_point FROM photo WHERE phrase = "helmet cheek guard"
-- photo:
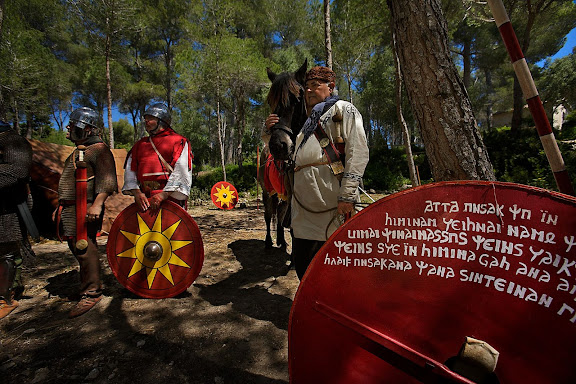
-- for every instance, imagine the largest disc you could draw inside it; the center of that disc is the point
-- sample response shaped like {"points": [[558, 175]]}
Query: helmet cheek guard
{"points": [[77, 132]]}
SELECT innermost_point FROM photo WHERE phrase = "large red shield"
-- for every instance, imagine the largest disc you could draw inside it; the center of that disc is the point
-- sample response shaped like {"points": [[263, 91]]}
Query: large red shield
{"points": [[394, 293], [224, 195], [155, 256]]}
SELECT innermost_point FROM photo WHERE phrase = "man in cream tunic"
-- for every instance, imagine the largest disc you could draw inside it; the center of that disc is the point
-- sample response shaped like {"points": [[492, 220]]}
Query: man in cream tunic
{"points": [[321, 200]]}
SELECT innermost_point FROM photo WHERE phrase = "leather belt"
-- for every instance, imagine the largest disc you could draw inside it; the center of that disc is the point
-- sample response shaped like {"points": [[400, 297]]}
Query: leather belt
{"points": [[296, 169]]}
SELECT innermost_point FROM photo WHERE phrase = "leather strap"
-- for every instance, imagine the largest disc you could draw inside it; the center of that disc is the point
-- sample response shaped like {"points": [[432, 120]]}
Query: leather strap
{"points": [[332, 154], [310, 165], [58, 219], [164, 162]]}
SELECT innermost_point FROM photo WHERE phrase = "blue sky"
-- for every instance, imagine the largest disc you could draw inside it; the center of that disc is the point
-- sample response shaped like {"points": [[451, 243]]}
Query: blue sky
{"points": [[568, 46]]}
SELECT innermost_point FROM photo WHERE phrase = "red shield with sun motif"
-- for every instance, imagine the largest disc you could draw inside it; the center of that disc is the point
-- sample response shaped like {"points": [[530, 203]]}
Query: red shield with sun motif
{"points": [[224, 195], [155, 256]]}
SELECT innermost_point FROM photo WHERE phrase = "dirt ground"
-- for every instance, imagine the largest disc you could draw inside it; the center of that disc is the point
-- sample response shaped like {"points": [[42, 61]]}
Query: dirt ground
{"points": [[230, 326]]}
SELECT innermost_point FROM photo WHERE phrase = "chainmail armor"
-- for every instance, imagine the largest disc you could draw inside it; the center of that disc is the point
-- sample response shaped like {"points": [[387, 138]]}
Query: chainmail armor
{"points": [[101, 172], [15, 163]]}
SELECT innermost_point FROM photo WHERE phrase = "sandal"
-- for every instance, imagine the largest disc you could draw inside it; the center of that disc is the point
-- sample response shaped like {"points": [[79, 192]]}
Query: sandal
{"points": [[6, 308], [84, 305]]}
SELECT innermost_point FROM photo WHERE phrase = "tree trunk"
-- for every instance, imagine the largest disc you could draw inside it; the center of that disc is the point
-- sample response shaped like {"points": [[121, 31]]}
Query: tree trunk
{"points": [[436, 92], [327, 34], [16, 124], [467, 63], [109, 93], [349, 81], [168, 62], [29, 127], [490, 102], [406, 133], [1, 17], [221, 137], [241, 124]]}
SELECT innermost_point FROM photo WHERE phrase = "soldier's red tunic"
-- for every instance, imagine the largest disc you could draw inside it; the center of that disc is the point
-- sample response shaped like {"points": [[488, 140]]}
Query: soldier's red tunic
{"points": [[151, 172]]}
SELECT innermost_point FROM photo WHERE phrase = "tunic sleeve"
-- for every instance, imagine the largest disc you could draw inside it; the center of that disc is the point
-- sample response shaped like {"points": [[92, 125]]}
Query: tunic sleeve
{"points": [[105, 173], [130, 180], [180, 180], [356, 150]]}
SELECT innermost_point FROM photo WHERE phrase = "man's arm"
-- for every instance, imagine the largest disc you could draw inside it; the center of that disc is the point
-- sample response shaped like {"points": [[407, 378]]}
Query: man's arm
{"points": [[357, 156], [94, 211], [179, 182]]}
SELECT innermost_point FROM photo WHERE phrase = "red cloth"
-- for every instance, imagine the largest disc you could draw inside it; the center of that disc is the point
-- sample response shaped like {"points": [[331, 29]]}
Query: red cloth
{"points": [[150, 171], [274, 177], [145, 160]]}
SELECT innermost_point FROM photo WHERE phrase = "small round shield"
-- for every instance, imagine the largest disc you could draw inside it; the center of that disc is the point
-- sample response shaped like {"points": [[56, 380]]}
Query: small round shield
{"points": [[155, 256], [224, 195]]}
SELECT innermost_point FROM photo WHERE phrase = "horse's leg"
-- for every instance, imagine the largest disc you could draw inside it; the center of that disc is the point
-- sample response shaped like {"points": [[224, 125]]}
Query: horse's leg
{"points": [[267, 201], [281, 212]]}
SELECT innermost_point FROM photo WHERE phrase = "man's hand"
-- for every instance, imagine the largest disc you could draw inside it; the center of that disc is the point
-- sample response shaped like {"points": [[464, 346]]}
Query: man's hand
{"points": [[271, 120], [156, 200], [93, 212], [141, 200], [345, 207]]}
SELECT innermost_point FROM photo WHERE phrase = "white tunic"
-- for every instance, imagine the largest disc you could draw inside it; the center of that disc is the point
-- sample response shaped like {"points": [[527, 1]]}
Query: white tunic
{"points": [[316, 190]]}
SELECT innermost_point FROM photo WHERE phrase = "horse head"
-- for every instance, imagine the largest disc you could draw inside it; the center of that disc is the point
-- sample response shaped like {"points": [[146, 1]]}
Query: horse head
{"points": [[286, 99]]}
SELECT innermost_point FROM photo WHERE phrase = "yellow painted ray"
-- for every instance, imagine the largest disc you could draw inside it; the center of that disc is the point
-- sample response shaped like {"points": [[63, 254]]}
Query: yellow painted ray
{"points": [[175, 260], [165, 270], [142, 225], [151, 275], [132, 237], [157, 227], [177, 244], [169, 232], [136, 267], [129, 253]]}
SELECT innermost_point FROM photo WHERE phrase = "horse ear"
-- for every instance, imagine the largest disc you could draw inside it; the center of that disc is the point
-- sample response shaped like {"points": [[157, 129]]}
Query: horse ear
{"points": [[301, 72], [271, 75]]}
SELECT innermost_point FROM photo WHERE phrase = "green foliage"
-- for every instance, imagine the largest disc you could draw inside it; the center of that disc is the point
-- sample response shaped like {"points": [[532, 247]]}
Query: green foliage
{"points": [[519, 157], [387, 169], [55, 137], [244, 180], [123, 134], [568, 131], [199, 193], [559, 82]]}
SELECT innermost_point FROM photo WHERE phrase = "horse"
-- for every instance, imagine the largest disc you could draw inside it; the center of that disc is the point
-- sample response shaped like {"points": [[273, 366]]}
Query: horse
{"points": [[286, 99]]}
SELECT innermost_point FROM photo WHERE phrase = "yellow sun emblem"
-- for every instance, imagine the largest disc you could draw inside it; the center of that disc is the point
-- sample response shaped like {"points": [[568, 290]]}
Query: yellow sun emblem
{"points": [[224, 195], [154, 250]]}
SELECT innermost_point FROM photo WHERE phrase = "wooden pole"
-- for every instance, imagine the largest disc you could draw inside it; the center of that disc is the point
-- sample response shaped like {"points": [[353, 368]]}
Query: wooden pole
{"points": [[257, 177], [532, 98]]}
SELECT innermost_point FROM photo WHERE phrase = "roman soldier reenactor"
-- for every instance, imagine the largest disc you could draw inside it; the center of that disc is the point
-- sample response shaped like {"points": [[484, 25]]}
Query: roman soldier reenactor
{"points": [[159, 166], [15, 163], [88, 178]]}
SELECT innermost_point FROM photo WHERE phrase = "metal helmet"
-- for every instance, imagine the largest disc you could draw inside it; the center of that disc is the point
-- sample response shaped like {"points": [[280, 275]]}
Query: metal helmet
{"points": [[159, 111], [83, 122]]}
